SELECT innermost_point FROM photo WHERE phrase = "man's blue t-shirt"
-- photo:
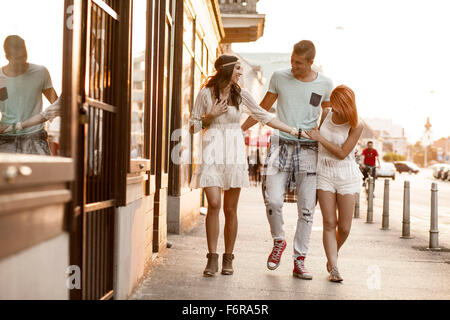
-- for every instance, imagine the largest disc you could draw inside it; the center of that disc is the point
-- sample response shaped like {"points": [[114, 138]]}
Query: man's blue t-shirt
{"points": [[299, 103]]}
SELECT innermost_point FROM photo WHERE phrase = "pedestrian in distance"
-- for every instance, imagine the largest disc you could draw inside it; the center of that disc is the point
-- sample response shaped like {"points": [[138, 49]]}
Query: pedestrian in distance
{"points": [[218, 108], [291, 161], [371, 157], [338, 175]]}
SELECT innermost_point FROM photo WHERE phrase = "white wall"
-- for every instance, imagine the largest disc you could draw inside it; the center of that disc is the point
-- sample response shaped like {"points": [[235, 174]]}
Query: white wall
{"points": [[133, 245], [38, 273]]}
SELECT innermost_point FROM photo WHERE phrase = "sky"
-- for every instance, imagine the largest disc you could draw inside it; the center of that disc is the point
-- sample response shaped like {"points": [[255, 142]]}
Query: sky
{"points": [[395, 54]]}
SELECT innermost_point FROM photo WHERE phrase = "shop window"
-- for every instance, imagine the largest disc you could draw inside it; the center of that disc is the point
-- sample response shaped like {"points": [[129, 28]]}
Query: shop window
{"points": [[35, 165], [188, 32], [205, 58], [138, 71], [31, 77], [186, 104], [198, 48]]}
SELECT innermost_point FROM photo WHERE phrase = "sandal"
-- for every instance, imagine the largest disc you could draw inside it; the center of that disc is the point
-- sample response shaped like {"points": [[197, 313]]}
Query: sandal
{"points": [[334, 275]]}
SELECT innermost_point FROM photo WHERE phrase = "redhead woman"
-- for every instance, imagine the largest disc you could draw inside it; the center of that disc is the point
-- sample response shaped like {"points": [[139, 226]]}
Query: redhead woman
{"points": [[338, 175], [218, 107]]}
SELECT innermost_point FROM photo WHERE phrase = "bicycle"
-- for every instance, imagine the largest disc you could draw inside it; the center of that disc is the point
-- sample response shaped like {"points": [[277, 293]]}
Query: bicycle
{"points": [[368, 171]]}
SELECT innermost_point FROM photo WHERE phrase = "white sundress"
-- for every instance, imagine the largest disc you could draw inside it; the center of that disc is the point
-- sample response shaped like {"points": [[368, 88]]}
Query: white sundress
{"points": [[224, 160]]}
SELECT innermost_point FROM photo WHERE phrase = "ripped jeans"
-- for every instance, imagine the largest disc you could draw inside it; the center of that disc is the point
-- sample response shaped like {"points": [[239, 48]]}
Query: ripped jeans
{"points": [[274, 191]]}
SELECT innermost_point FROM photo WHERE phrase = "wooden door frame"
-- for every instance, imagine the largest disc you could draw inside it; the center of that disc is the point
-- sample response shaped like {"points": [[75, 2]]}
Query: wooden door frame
{"points": [[74, 139], [76, 64]]}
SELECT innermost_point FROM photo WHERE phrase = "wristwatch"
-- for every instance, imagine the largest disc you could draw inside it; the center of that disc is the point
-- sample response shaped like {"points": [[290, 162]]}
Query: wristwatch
{"points": [[16, 127]]}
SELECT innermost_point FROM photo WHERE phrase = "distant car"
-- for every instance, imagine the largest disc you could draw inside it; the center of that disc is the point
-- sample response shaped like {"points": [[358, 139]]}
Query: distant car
{"points": [[445, 174], [386, 170], [438, 169], [406, 166]]}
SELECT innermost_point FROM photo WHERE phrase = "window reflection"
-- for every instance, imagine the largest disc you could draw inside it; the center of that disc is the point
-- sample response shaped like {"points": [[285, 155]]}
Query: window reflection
{"points": [[138, 76], [30, 65], [188, 26], [185, 150]]}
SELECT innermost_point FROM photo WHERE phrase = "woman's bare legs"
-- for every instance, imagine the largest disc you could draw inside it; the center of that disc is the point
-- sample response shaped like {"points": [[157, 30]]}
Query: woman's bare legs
{"points": [[231, 199], [327, 202], [336, 228], [346, 205], [213, 195]]}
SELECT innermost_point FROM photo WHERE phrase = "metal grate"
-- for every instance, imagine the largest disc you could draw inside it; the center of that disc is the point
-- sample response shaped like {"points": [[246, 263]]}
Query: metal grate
{"points": [[99, 254], [98, 235]]}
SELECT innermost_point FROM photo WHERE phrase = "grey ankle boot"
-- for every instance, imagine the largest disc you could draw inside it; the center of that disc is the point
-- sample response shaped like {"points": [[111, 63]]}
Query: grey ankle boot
{"points": [[227, 264], [212, 266]]}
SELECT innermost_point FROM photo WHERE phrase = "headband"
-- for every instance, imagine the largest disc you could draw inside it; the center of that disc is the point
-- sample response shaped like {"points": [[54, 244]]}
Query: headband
{"points": [[228, 64]]}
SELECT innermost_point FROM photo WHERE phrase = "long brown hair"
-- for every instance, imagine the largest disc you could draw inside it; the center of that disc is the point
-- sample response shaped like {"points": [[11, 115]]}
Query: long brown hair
{"points": [[224, 70]]}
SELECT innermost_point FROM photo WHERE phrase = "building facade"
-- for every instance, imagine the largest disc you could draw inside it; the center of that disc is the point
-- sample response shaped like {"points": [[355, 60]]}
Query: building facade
{"points": [[392, 136]]}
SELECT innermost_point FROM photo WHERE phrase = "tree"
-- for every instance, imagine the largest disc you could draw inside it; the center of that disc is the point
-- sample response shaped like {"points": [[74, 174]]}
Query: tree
{"points": [[392, 157]]}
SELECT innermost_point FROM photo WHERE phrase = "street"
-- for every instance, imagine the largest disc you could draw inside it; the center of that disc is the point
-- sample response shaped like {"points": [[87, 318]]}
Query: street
{"points": [[420, 195], [375, 264]]}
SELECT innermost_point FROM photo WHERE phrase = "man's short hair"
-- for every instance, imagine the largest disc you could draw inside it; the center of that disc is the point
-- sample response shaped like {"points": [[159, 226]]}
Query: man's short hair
{"points": [[13, 43], [306, 49], [369, 142]]}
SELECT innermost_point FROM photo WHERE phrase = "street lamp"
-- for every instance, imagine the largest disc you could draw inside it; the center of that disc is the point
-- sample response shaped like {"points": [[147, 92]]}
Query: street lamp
{"points": [[427, 140]]}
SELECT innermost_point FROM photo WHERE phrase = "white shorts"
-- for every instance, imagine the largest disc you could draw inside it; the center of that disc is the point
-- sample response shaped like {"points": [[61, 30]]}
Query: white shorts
{"points": [[341, 186]]}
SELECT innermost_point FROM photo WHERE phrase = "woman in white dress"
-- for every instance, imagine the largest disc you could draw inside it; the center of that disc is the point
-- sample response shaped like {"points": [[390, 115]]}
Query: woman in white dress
{"points": [[218, 107], [338, 175]]}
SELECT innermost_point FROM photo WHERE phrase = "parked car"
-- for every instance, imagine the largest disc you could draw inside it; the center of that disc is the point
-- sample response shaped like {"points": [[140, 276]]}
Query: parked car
{"points": [[406, 166], [445, 174], [448, 175], [386, 170], [438, 169]]}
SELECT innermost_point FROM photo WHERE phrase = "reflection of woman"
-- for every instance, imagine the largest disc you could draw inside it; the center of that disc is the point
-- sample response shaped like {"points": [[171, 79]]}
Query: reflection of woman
{"points": [[338, 175], [224, 164]]}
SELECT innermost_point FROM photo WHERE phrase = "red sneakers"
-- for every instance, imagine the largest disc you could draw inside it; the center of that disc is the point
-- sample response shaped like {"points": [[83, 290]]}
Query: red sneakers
{"points": [[300, 269], [274, 258]]}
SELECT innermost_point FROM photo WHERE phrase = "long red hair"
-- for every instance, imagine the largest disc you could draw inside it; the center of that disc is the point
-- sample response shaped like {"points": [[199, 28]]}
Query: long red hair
{"points": [[343, 101]]}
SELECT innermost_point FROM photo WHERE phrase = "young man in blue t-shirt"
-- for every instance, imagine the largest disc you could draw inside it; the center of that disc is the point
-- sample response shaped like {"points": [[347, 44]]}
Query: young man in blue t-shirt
{"points": [[22, 85], [299, 92]]}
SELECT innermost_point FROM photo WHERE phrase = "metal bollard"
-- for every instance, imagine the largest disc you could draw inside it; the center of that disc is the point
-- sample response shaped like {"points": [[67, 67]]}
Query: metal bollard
{"points": [[370, 202], [356, 214], [434, 226], [406, 212], [385, 221]]}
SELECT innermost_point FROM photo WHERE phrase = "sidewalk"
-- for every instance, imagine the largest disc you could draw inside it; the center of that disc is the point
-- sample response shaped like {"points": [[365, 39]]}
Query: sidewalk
{"points": [[375, 264]]}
